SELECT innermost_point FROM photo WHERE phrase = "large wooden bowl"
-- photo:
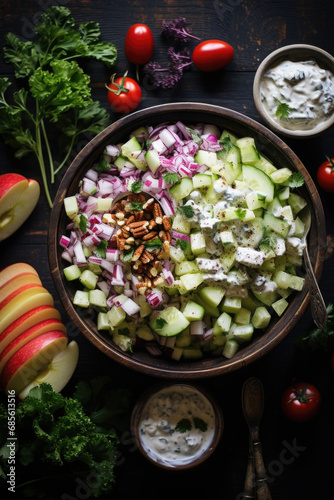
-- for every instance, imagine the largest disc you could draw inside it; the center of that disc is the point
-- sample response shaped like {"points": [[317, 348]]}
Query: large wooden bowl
{"points": [[269, 145]]}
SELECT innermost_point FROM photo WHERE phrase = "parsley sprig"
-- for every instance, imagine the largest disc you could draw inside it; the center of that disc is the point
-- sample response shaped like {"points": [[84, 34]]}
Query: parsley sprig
{"points": [[283, 109], [318, 339], [186, 210]]}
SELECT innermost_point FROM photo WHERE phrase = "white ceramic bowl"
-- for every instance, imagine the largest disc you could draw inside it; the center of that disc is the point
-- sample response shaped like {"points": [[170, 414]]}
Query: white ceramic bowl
{"points": [[295, 52]]}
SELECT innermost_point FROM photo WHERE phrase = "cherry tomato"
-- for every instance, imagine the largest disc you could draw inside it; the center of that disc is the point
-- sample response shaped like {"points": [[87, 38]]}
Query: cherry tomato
{"points": [[124, 94], [300, 402], [139, 44], [325, 175], [212, 55]]}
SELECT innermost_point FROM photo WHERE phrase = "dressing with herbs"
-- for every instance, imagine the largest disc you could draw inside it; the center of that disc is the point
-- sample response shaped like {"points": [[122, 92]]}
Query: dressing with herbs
{"points": [[177, 425], [298, 95]]}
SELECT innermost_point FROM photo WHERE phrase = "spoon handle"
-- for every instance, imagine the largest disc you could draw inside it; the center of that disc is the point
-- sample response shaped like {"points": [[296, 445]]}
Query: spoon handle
{"points": [[262, 489], [318, 306], [250, 477]]}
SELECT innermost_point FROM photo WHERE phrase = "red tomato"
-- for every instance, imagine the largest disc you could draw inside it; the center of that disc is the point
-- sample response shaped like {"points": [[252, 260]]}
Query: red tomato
{"points": [[300, 402], [139, 44], [212, 55], [124, 94], [325, 175]]}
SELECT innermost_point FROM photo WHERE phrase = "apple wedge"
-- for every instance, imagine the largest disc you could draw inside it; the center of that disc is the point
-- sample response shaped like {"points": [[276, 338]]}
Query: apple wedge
{"points": [[14, 270], [27, 320], [29, 299], [15, 296], [23, 367], [58, 372], [16, 283], [48, 325], [18, 198]]}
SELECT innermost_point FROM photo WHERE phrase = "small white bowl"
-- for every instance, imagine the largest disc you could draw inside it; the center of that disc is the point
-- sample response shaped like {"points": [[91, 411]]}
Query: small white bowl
{"points": [[295, 52]]}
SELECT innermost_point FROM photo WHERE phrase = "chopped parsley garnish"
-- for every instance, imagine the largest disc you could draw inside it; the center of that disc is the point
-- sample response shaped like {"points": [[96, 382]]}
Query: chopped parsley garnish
{"points": [[240, 212], [194, 135], [170, 178], [183, 425], [136, 206], [102, 165], [200, 424], [160, 323], [101, 250], [83, 223], [183, 244], [226, 143], [127, 254], [186, 210], [155, 244], [296, 180], [283, 109], [317, 339], [136, 186], [267, 243]]}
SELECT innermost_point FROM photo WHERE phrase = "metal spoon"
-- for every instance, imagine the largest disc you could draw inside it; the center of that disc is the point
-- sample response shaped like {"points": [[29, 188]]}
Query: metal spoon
{"points": [[318, 306], [252, 405]]}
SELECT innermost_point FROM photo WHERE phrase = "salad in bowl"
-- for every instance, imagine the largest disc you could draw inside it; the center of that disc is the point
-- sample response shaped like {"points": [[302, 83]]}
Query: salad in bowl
{"points": [[184, 240]]}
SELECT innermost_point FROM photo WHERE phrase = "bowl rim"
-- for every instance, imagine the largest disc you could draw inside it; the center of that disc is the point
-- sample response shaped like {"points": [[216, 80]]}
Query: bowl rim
{"points": [[194, 369], [155, 389], [317, 53]]}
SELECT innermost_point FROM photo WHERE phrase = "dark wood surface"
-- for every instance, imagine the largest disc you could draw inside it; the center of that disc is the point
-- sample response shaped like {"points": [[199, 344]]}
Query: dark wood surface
{"points": [[298, 457]]}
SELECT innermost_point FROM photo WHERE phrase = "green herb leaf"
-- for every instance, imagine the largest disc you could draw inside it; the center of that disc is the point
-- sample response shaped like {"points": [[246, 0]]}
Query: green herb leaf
{"points": [[200, 424], [186, 210], [194, 135], [101, 250], [83, 223], [296, 180], [183, 425], [136, 186], [155, 244], [226, 143], [240, 212], [102, 166], [283, 110], [170, 178], [160, 323], [318, 339], [183, 244], [267, 243], [127, 254], [124, 331], [136, 206]]}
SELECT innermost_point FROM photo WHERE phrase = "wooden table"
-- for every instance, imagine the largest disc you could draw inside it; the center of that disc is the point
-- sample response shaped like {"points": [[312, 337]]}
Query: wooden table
{"points": [[299, 458]]}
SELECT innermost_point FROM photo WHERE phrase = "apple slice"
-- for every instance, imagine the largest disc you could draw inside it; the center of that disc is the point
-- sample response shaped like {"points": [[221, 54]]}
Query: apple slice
{"points": [[14, 270], [15, 296], [58, 372], [48, 325], [18, 198], [15, 283], [29, 299], [27, 320], [23, 367]]}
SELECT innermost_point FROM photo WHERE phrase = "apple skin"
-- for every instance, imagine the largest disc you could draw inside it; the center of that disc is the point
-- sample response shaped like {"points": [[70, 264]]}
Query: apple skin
{"points": [[59, 370], [16, 293], [23, 367], [14, 270], [29, 334], [33, 297], [27, 320], [18, 198]]}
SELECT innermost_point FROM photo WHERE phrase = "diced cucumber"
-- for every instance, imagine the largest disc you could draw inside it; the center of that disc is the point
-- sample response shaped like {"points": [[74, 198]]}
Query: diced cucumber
{"points": [[122, 341], [169, 322], [230, 348], [210, 310], [131, 149], [81, 298], [299, 228], [72, 272], [224, 321], [193, 311], [197, 243], [103, 204], [265, 165], [208, 158], [227, 260], [102, 321], [255, 200], [266, 298], [71, 206], [201, 180], [88, 279], [243, 316], [227, 134], [281, 175], [233, 213], [231, 304], [257, 180], [248, 151], [176, 254], [261, 317], [185, 267], [227, 239], [297, 203], [279, 226], [181, 189], [189, 353], [242, 333], [212, 295], [279, 306], [284, 193], [234, 158], [225, 170], [121, 161], [210, 195], [184, 338], [286, 212], [285, 280], [180, 224], [152, 160], [116, 315], [145, 333], [97, 298], [191, 281]]}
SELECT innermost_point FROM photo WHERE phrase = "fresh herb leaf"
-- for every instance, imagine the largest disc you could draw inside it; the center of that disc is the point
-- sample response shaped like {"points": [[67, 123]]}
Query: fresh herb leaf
{"points": [[101, 249], [83, 223], [124, 331], [127, 254], [183, 425], [136, 206], [283, 110], [267, 242], [160, 323], [200, 424], [296, 180], [318, 339], [170, 178], [183, 244], [155, 244], [102, 166], [194, 135], [240, 212], [226, 143], [136, 186], [186, 210]]}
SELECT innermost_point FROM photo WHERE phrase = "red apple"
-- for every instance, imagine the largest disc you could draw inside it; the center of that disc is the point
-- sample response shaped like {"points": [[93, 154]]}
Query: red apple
{"points": [[27, 300], [23, 367], [6, 296], [59, 370], [14, 270], [18, 198], [26, 321], [48, 325]]}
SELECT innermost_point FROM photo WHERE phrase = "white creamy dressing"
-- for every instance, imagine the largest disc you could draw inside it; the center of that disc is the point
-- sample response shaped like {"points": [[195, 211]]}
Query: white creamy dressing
{"points": [[306, 87], [161, 414]]}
